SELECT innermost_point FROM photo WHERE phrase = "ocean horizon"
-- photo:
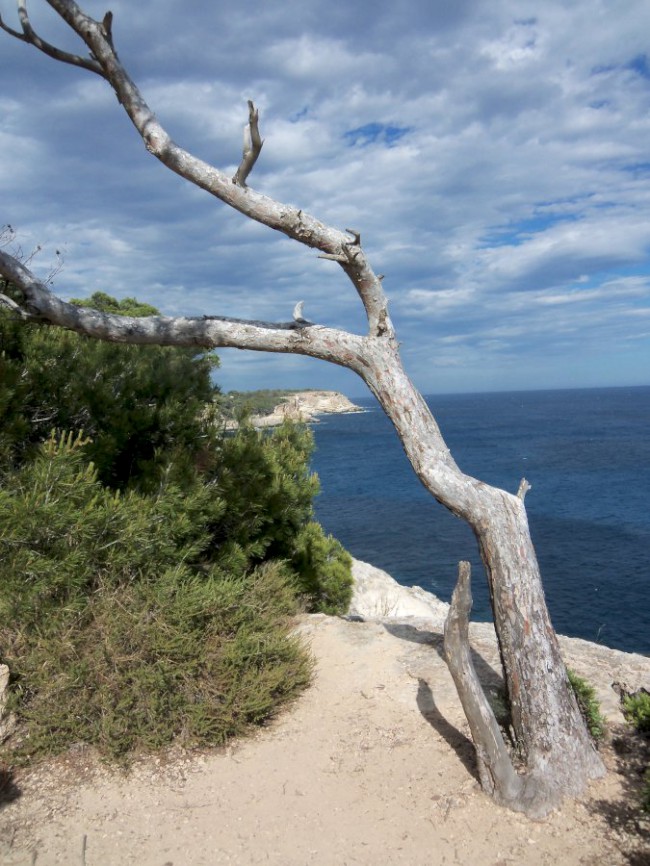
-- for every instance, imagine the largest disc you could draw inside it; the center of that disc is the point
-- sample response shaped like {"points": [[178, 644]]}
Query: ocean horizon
{"points": [[586, 453]]}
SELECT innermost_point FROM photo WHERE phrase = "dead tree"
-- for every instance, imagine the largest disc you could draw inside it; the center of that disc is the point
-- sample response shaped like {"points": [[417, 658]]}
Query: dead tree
{"points": [[555, 755]]}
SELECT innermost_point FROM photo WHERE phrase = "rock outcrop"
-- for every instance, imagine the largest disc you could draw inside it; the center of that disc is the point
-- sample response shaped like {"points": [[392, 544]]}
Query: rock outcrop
{"points": [[305, 406], [413, 612], [377, 596]]}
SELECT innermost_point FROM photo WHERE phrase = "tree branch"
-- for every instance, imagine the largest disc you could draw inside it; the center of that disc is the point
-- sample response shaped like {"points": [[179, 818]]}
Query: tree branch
{"points": [[252, 146], [14, 307], [30, 36], [211, 332], [284, 218], [524, 487]]}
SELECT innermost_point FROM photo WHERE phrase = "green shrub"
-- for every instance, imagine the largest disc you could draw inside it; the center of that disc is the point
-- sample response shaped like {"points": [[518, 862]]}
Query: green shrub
{"points": [[324, 571], [194, 660], [117, 630], [636, 709], [588, 704], [264, 478], [143, 411], [62, 532], [149, 568]]}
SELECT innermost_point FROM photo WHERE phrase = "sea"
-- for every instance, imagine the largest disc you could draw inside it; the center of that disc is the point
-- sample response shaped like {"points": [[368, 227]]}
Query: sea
{"points": [[586, 454]]}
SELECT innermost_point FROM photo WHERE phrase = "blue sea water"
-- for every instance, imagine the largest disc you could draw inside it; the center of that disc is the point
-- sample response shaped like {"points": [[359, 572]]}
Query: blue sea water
{"points": [[586, 454]]}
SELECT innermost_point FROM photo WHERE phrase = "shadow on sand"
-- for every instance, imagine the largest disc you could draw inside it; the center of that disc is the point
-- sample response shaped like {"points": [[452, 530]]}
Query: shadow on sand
{"points": [[631, 753], [492, 683], [9, 790]]}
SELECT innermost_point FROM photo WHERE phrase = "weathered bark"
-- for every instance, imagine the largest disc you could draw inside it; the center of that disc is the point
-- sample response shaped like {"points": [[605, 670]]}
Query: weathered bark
{"points": [[496, 771], [556, 752], [534, 781]]}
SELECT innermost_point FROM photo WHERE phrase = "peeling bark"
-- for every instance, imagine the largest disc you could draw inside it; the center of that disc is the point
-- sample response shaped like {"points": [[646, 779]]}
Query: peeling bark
{"points": [[557, 755]]}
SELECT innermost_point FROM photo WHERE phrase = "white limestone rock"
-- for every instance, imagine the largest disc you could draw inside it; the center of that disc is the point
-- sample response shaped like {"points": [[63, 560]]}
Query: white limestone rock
{"points": [[377, 596], [306, 405]]}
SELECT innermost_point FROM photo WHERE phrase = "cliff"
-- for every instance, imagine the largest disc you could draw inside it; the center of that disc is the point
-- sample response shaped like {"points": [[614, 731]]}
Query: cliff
{"points": [[304, 406]]}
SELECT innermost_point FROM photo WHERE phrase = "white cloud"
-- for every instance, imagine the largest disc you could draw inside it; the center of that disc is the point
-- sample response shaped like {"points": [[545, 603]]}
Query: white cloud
{"points": [[518, 46], [507, 207], [309, 56]]}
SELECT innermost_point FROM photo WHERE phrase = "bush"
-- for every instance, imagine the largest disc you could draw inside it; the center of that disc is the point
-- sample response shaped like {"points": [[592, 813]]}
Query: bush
{"points": [[117, 630], [588, 704], [185, 658], [62, 532], [148, 568], [324, 570], [143, 412], [636, 709], [264, 477], [266, 480]]}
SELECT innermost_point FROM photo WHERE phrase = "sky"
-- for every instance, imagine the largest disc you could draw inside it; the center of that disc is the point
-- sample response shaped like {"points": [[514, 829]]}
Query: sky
{"points": [[495, 158]]}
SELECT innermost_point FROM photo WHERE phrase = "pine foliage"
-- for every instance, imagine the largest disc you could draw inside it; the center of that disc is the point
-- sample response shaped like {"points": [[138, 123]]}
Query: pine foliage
{"points": [[150, 564]]}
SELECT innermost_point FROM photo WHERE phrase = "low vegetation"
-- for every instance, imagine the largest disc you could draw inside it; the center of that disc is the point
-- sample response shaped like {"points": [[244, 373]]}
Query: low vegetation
{"points": [[151, 566], [588, 704], [636, 709]]}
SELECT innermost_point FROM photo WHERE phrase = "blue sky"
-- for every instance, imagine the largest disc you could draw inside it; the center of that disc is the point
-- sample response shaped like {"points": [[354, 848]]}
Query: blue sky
{"points": [[494, 156]]}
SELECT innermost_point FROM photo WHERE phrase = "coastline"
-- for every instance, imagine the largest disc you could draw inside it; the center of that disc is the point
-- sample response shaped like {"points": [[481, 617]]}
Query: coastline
{"points": [[303, 407], [587, 509]]}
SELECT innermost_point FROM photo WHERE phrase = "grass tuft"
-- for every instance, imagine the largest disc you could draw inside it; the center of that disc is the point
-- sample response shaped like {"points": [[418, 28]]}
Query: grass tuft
{"points": [[636, 709], [589, 705]]}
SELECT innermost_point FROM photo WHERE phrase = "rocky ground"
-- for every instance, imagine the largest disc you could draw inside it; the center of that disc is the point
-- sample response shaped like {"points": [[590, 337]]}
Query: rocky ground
{"points": [[372, 765]]}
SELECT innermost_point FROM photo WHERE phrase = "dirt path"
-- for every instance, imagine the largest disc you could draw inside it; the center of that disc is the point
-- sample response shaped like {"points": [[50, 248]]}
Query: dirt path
{"points": [[371, 766]]}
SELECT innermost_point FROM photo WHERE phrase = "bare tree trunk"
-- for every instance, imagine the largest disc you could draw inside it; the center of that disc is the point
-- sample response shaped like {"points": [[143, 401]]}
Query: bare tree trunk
{"points": [[496, 771], [555, 751], [555, 754]]}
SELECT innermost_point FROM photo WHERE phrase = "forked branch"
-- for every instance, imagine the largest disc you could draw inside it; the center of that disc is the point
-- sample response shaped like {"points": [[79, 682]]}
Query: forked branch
{"points": [[30, 36]]}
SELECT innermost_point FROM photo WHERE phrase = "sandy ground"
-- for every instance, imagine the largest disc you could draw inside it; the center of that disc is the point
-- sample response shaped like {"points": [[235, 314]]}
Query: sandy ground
{"points": [[371, 765]]}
